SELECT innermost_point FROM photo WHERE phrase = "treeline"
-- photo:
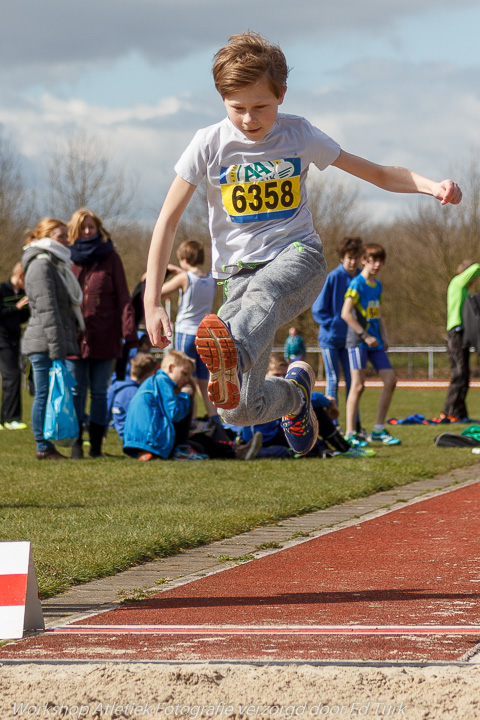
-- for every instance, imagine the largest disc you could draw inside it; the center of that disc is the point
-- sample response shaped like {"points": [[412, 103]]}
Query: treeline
{"points": [[424, 247]]}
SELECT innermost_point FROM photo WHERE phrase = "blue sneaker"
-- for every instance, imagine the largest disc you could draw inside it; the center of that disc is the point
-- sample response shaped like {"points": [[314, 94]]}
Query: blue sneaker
{"points": [[301, 430], [216, 347], [385, 438], [356, 440]]}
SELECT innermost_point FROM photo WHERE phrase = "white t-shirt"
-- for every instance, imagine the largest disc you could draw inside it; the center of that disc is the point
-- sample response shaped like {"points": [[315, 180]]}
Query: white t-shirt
{"points": [[256, 189]]}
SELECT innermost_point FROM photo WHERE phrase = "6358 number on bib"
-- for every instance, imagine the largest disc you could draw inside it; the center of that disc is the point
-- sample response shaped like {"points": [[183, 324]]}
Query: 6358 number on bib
{"points": [[267, 190]]}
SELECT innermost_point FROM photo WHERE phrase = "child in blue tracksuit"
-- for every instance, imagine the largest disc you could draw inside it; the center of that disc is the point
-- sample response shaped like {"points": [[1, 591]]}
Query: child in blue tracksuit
{"points": [[326, 311], [121, 392], [161, 402]]}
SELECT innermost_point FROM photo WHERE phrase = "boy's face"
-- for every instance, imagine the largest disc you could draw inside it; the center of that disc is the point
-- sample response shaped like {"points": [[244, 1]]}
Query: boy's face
{"points": [[350, 263], [253, 109], [371, 266], [180, 374]]}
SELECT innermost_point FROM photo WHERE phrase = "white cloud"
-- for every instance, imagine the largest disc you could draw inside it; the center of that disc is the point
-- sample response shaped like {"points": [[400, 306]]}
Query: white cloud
{"points": [[380, 77]]}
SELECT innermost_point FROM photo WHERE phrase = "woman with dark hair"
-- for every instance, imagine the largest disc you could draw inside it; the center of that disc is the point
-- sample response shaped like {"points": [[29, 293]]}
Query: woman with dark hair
{"points": [[109, 319]]}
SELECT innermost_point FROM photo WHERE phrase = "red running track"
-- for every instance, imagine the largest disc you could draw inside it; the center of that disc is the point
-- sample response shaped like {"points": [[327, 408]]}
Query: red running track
{"points": [[418, 566]]}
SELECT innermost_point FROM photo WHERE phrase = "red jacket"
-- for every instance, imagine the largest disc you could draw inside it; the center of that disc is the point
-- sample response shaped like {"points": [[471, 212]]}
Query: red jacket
{"points": [[106, 308]]}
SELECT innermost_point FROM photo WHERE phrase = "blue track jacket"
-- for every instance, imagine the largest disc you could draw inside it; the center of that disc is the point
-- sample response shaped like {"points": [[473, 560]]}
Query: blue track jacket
{"points": [[151, 414], [327, 308], [119, 395]]}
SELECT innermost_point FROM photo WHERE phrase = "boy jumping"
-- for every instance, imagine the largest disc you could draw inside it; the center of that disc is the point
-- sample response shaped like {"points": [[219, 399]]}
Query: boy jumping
{"points": [[264, 247]]}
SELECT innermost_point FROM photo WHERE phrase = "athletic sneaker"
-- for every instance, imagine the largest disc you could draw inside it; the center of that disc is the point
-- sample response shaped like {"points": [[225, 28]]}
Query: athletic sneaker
{"points": [[146, 456], [362, 434], [301, 430], [185, 452], [15, 425], [385, 438], [357, 452], [251, 449], [216, 347], [356, 441]]}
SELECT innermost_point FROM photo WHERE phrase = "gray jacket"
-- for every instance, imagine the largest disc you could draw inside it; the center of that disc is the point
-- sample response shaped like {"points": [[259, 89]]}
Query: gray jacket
{"points": [[52, 327]]}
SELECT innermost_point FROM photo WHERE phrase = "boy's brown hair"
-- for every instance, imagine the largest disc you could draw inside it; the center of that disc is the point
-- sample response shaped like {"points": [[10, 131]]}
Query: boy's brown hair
{"points": [[278, 365], [246, 59], [143, 365], [350, 246], [177, 357], [192, 251], [374, 251]]}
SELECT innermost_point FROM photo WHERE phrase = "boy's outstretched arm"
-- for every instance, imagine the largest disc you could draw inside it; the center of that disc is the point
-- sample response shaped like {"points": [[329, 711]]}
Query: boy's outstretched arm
{"points": [[398, 179], [156, 319]]}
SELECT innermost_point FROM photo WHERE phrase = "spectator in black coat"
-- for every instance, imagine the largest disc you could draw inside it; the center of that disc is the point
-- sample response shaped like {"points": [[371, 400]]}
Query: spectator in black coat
{"points": [[13, 312]]}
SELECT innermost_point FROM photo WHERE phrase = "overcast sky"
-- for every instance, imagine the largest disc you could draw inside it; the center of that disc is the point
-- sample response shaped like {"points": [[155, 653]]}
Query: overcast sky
{"points": [[396, 81]]}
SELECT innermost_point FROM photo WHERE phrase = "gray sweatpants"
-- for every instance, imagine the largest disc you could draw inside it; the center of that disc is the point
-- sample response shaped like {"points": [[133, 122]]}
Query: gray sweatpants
{"points": [[259, 302]]}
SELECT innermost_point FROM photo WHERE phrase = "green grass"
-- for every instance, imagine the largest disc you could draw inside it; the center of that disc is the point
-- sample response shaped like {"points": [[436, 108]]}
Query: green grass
{"points": [[92, 518]]}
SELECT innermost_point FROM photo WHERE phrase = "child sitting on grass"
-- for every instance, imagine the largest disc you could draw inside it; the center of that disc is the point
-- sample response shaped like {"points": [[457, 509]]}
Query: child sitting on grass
{"points": [[121, 392], [153, 426]]}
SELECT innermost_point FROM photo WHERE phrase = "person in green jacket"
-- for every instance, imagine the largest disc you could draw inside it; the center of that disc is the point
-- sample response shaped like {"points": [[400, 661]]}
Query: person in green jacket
{"points": [[455, 408]]}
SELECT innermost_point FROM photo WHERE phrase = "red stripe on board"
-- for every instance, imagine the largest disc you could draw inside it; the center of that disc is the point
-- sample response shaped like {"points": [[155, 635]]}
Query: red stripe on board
{"points": [[268, 630], [13, 589]]}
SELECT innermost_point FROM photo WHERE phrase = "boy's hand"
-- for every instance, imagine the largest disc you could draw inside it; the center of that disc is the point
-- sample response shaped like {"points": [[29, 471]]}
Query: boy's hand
{"points": [[371, 341], [448, 192], [21, 303], [158, 326]]}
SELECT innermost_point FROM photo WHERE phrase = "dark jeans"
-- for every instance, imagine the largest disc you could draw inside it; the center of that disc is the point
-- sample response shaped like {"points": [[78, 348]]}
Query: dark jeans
{"points": [[11, 384], [459, 375], [93, 374]]}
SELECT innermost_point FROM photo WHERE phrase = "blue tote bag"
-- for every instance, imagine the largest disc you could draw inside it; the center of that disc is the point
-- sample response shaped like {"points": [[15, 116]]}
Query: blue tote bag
{"points": [[61, 422]]}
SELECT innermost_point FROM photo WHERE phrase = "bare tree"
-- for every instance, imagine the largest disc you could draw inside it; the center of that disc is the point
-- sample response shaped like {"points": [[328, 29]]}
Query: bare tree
{"points": [[336, 211], [15, 205], [81, 174], [426, 249]]}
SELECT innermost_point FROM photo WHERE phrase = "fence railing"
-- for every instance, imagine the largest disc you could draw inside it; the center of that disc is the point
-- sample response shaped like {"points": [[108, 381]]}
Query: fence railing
{"points": [[410, 351]]}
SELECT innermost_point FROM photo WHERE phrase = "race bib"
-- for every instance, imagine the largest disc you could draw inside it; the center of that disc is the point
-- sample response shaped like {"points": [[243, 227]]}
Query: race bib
{"points": [[268, 190], [373, 310]]}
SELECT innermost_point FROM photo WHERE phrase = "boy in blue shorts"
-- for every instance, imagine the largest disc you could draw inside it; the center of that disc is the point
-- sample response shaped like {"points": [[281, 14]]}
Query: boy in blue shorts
{"points": [[367, 342], [265, 250]]}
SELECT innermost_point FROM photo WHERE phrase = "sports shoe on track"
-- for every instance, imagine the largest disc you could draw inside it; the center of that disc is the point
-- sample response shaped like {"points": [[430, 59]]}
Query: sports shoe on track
{"points": [[356, 441], [385, 438], [216, 347], [251, 449], [301, 430], [15, 425], [357, 452]]}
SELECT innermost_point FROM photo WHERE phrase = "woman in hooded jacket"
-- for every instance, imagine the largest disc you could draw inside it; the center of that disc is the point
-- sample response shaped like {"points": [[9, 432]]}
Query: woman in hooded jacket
{"points": [[109, 320], [54, 297]]}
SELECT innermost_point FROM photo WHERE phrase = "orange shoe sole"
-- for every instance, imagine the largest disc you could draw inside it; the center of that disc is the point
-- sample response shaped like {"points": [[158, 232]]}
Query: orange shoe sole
{"points": [[216, 347]]}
